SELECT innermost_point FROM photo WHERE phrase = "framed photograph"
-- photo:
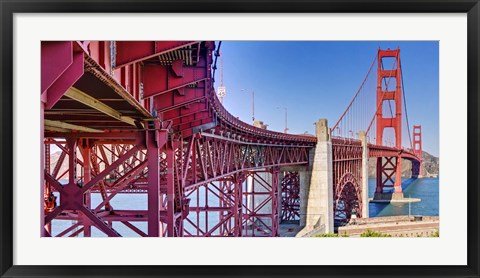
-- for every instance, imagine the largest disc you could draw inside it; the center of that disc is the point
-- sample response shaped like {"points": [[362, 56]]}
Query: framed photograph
{"points": [[239, 138]]}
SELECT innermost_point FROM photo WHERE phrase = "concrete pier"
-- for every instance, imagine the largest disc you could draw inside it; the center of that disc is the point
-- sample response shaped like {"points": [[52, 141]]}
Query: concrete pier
{"points": [[316, 195], [388, 196], [362, 136]]}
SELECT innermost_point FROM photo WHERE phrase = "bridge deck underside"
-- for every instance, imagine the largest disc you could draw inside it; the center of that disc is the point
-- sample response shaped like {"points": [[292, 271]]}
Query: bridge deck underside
{"points": [[121, 129]]}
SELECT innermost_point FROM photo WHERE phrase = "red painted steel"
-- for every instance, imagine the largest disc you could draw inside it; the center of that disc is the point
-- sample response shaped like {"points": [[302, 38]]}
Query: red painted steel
{"points": [[260, 206], [205, 172], [160, 79], [347, 179], [61, 67], [240, 208], [347, 154], [184, 144], [130, 52], [417, 149], [290, 197], [395, 121]]}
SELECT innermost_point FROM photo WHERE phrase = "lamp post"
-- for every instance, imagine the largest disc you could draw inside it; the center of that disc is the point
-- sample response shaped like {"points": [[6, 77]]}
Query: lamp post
{"points": [[286, 119], [253, 104]]}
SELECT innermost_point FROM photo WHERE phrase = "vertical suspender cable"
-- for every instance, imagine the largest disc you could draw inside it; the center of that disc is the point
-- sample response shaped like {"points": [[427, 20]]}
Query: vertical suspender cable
{"points": [[405, 104]]}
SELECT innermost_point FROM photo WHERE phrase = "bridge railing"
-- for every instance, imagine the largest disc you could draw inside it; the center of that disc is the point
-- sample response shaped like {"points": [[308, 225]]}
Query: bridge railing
{"points": [[254, 133], [383, 151]]}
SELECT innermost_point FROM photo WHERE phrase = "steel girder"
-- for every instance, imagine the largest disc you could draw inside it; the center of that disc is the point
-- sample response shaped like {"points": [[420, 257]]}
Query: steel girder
{"points": [[220, 167], [61, 66], [216, 208], [384, 151], [107, 169], [136, 157], [129, 52], [170, 79], [215, 157], [290, 197], [347, 179], [243, 204], [388, 172], [260, 204]]}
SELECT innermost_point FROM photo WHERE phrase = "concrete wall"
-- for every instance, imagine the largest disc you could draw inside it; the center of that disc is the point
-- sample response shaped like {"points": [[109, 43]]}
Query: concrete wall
{"points": [[304, 176], [316, 185], [316, 199], [363, 138]]}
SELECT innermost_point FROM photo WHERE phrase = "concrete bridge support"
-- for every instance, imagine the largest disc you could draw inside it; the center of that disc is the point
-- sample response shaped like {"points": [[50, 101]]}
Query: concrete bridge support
{"points": [[316, 194], [305, 176], [363, 138]]}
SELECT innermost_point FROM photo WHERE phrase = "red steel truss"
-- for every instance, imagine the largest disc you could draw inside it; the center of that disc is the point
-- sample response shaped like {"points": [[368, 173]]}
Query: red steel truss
{"points": [[243, 179], [347, 179], [123, 130], [347, 168], [290, 193], [142, 117]]}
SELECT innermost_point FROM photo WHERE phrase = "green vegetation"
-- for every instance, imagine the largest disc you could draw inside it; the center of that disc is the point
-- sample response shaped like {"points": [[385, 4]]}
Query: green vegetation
{"points": [[332, 235], [327, 235], [370, 233], [435, 234]]}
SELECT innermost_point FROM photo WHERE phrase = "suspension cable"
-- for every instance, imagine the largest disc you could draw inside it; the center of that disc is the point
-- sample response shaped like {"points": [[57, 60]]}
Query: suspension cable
{"points": [[355, 96], [405, 104], [381, 102]]}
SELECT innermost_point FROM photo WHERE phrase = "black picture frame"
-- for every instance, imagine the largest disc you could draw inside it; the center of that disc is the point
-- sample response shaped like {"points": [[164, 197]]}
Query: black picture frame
{"points": [[9, 7]]}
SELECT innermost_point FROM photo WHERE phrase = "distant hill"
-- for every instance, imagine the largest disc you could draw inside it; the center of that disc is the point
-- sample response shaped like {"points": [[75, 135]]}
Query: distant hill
{"points": [[430, 166], [64, 166]]}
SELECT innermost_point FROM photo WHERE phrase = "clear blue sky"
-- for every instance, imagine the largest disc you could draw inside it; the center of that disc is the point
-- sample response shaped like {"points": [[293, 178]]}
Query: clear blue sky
{"points": [[315, 79]]}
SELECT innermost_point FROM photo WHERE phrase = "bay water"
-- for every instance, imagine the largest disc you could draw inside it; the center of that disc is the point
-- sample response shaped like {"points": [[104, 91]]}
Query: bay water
{"points": [[426, 189]]}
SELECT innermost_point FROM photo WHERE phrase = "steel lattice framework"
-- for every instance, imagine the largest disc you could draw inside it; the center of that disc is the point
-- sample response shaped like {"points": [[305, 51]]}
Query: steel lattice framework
{"points": [[290, 196], [142, 117], [347, 178], [123, 130]]}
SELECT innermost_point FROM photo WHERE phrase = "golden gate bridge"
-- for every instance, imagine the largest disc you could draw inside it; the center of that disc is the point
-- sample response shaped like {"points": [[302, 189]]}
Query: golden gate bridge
{"points": [[142, 117]]}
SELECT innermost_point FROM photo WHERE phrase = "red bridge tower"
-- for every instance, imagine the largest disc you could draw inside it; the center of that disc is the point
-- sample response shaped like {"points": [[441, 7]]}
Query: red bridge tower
{"points": [[417, 150], [389, 167]]}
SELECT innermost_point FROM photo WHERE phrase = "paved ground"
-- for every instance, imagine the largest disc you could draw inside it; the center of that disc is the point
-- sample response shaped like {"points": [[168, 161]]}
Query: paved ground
{"points": [[289, 230], [409, 226]]}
